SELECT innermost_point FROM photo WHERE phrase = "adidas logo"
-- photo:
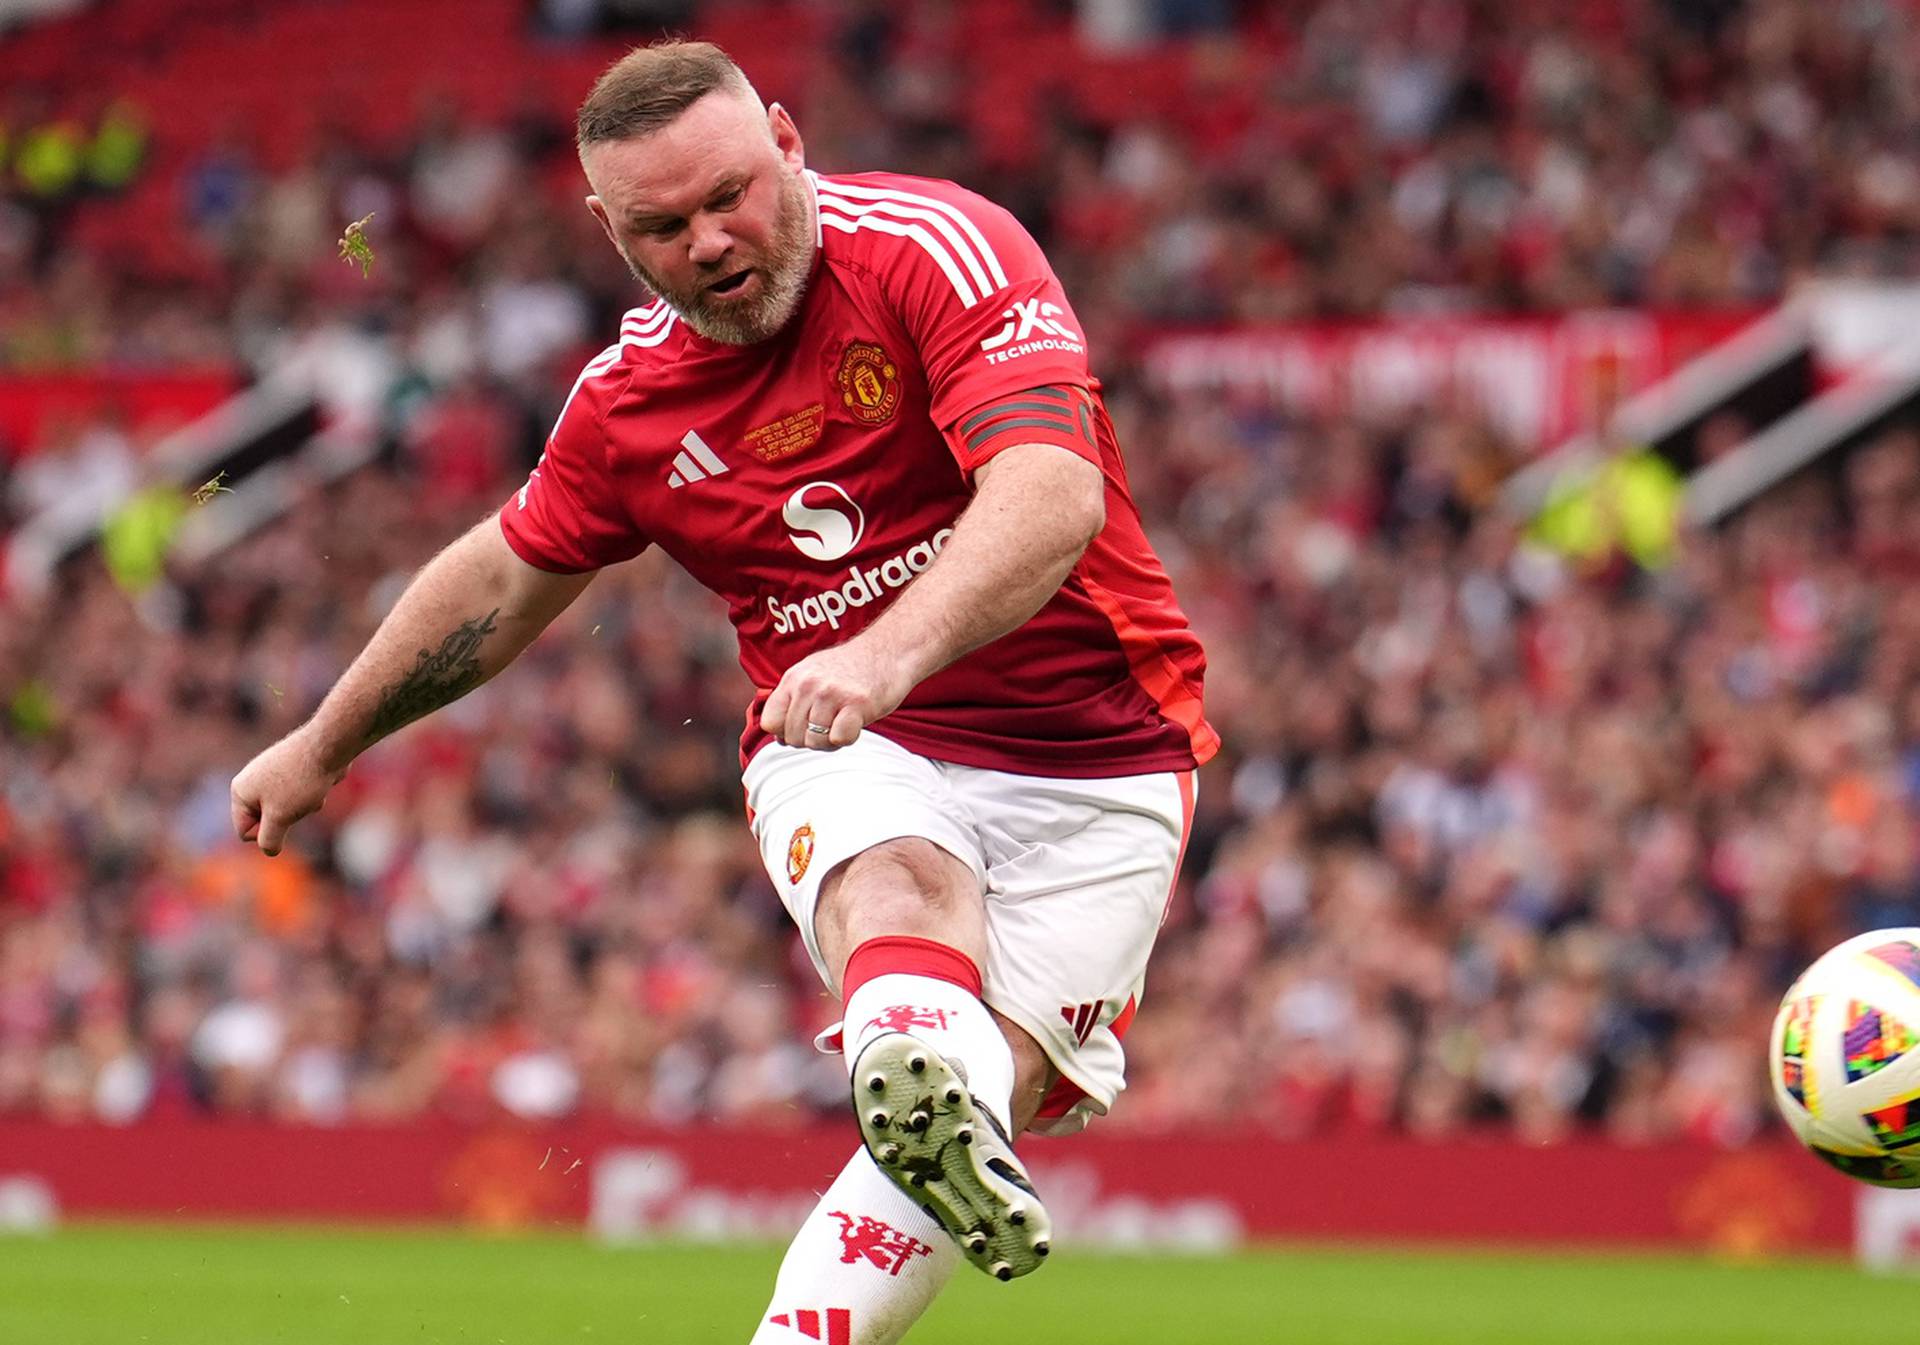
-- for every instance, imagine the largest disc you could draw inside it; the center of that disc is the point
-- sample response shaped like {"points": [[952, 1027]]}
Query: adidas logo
{"points": [[839, 1324], [696, 464], [1083, 1018]]}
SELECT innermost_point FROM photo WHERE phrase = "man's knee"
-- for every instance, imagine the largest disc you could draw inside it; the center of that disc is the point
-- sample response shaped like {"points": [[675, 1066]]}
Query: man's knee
{"points": [[907, 886], [898, 883]]}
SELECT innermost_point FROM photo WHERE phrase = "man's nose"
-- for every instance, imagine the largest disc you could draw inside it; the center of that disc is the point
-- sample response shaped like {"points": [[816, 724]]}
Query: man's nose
{"points": [[710, 242]]}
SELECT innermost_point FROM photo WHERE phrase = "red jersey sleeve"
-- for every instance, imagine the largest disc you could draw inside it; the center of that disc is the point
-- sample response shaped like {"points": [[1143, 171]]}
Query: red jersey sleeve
{"points": [[567, 518], [977, 296]]}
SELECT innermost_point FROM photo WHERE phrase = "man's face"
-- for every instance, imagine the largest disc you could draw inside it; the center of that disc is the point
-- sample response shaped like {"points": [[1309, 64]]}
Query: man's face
{"points": [[711, 213]]}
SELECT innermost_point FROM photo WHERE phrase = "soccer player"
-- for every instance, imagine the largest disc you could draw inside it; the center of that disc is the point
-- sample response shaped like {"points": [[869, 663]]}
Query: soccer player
{"points": [[859, 409]]}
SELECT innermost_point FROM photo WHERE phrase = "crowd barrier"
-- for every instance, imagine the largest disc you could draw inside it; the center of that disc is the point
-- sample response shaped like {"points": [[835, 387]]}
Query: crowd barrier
{"points": [[1188, 1192]]}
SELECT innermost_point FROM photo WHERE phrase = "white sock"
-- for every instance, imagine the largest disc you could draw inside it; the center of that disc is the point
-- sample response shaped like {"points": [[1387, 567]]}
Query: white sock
{"points": [[945, 1016], [863, 1267]]}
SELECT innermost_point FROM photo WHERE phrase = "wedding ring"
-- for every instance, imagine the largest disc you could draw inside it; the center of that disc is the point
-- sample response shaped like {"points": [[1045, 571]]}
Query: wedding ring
{"points": [[821, 729]]}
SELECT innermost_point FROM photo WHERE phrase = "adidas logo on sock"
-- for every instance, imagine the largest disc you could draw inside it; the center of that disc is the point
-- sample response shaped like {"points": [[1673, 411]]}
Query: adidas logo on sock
{"points": [[838, 1325]]}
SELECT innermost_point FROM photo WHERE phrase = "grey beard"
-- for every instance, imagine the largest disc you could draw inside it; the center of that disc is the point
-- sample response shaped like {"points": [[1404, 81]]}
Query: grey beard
{"points": [[784, 273], [762, 319]]}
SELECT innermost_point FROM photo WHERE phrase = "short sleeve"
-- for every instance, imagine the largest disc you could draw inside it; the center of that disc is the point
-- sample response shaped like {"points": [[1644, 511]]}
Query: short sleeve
{"points": [[567, 518], [976, 293]]}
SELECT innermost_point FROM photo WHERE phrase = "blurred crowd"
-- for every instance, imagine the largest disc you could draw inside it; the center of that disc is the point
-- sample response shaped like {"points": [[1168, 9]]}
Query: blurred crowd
{"points": [[1494, 839], [1312, 159], [1497, 838]]}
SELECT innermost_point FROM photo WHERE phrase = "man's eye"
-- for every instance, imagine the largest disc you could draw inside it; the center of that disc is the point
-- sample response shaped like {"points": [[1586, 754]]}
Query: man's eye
{"points": [[730, 199], [664, 229]]}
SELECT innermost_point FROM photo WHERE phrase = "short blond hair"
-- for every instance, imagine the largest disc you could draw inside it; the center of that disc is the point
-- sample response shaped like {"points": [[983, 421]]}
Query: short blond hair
{"points": [[650, 86]]}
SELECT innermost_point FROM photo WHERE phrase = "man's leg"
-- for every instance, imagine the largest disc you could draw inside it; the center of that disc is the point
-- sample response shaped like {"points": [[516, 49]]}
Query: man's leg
{"points": [[933, 1071], [869, 1261], [913, 888], [871, 1257], [902, 928], [864, 1266]]}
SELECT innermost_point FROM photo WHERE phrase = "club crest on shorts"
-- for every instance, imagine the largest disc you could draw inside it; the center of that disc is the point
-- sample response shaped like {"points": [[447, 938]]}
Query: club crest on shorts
{"points": [[799, 853], [869, 383]]}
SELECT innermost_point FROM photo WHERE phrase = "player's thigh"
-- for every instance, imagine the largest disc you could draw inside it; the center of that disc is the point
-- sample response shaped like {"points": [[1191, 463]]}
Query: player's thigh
{"points": [[812, 812], [1078, 876]]}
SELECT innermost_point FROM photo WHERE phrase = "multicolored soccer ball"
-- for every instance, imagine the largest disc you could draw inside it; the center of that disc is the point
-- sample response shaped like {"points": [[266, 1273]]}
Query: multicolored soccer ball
{"points": [[1846, 1057]]}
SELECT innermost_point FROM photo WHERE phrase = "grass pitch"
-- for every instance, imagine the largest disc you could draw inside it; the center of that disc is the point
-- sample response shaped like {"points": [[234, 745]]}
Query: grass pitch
{"points": [[197, 1285]]}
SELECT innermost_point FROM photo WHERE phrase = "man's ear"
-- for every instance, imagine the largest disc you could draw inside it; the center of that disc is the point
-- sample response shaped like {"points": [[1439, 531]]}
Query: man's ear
{"points": [[598, 209], [786, 137]]}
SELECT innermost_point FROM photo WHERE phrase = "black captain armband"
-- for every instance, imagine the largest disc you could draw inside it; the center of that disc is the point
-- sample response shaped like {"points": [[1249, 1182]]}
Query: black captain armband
{"points": [[1059, 413]]}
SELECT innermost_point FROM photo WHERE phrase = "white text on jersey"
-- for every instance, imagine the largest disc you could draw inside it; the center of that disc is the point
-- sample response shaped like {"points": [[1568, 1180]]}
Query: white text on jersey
{"points": [[862, 587], [1027, 318]]}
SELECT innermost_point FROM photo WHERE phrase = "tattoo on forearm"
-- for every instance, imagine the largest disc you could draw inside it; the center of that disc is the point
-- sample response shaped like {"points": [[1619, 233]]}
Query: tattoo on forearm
{"points": [[438, 678]]}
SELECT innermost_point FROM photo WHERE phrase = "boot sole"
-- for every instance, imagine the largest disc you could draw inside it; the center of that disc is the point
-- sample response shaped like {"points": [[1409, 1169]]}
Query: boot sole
{"points": [[926, 1134]]}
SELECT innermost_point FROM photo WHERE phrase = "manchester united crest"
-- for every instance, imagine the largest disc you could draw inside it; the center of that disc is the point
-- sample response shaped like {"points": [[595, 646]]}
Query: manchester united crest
{"points": [[869, 383], [799, 853]]}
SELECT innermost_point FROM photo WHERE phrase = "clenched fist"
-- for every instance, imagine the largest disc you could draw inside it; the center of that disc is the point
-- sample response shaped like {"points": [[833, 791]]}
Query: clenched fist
{"points": [[825, 699], [278, 788]]}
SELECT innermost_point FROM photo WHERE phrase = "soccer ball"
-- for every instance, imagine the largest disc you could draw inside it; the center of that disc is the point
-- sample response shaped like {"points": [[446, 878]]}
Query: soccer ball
{"points": [[1845, 1057]]}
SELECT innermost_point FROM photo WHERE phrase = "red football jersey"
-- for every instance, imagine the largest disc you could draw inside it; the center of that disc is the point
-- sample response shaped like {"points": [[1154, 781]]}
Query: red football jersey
{"points": [[807, 478]]}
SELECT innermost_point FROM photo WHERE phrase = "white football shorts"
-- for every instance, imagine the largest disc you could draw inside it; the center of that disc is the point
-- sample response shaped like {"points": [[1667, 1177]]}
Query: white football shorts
{"points": [[1076, 875]]}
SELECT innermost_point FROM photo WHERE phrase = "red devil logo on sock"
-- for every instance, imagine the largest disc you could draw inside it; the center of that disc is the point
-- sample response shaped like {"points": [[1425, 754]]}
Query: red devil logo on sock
{"points": [[883, 1245], [906, 1017]]}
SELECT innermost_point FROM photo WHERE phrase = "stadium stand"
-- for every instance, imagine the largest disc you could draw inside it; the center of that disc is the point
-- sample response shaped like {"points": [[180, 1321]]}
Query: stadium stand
{"points": [[1497, 839]]}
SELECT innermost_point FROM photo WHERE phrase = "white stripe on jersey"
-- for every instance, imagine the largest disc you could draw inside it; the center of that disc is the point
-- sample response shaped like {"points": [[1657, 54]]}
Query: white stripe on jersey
{"points": [[655, 330], [863, 193], [933, 247], [646, 319], [599, 364], [658, 329], [896, 210], [533, 475]]}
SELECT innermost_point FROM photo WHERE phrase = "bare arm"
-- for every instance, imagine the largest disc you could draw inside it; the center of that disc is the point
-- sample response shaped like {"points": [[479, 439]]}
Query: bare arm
{"points": [[466, 615], [1035, 510]]}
